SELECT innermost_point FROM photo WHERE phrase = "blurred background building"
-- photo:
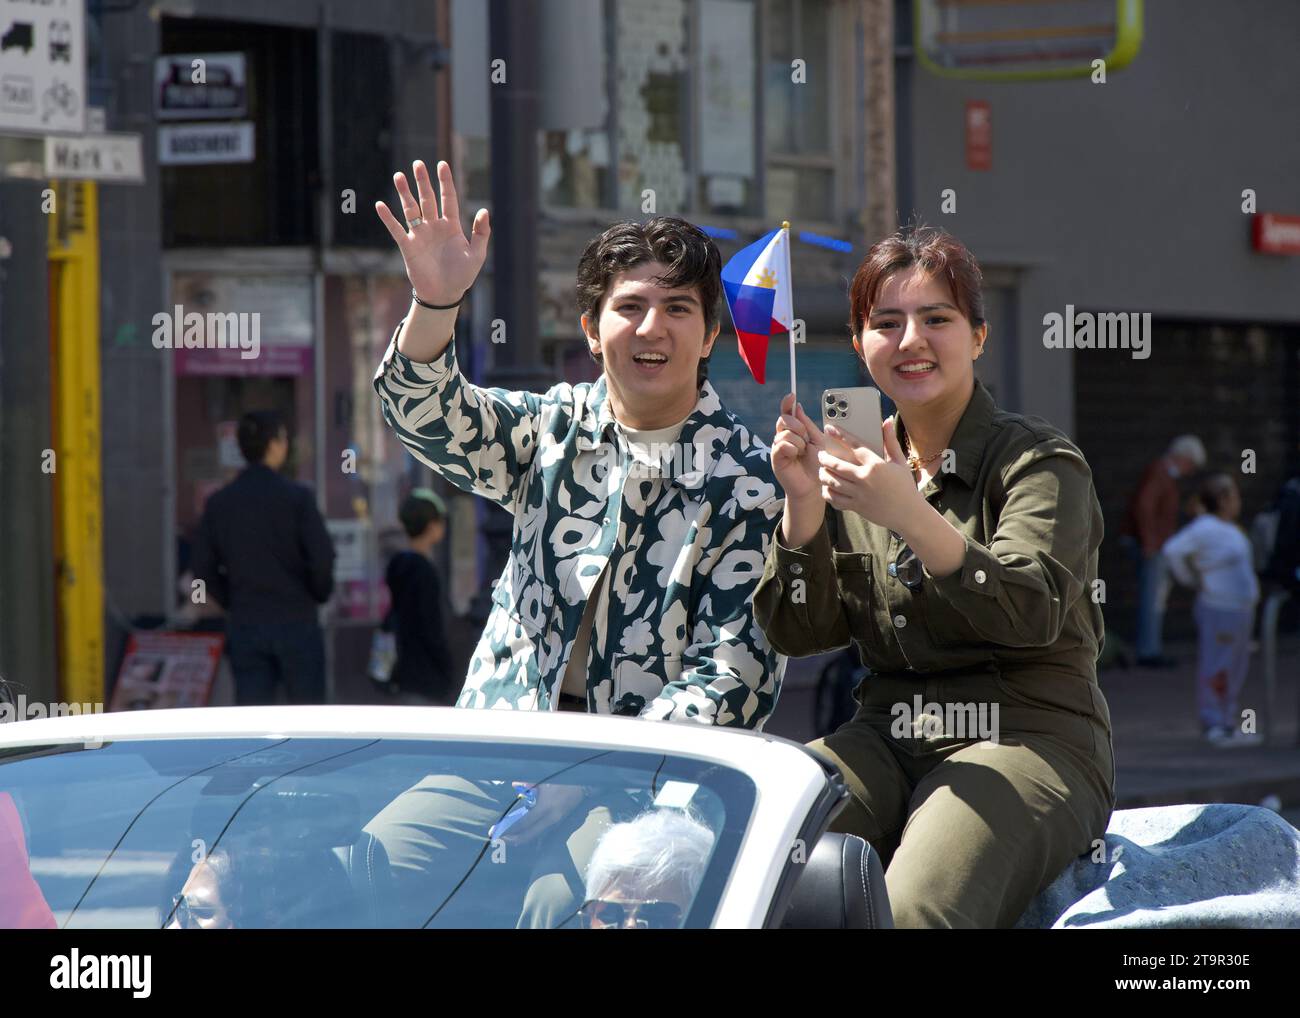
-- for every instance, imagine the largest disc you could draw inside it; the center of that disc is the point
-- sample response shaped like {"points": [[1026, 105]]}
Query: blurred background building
{"points": [[256, 194]]}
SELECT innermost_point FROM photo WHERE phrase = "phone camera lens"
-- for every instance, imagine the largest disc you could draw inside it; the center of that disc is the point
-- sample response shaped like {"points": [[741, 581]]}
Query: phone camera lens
{"points": [[830, 399], [844, 406]]}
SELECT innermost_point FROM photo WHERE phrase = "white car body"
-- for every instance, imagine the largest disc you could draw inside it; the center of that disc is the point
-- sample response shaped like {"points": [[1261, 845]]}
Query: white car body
{"points": [[792, 787]]}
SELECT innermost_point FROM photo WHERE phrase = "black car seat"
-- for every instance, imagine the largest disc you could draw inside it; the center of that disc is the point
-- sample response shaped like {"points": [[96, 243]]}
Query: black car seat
{"points": [[842, 887], [366, 864]]}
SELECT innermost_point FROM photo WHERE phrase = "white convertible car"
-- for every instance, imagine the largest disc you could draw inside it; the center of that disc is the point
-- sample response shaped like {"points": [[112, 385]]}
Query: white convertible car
{"points": [[353, 816]]}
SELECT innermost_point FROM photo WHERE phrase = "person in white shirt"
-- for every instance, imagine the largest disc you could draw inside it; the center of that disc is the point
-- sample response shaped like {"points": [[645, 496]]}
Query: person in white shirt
{"points": [[1213, 555]]}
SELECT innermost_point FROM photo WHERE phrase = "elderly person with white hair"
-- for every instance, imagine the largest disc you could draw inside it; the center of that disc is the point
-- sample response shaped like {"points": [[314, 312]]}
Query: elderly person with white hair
{"points": [[1151, 520], [644, 873]]}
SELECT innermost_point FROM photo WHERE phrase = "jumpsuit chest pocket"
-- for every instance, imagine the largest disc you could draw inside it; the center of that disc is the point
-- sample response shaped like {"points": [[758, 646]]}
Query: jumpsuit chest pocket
{"points": [[857, 591]]}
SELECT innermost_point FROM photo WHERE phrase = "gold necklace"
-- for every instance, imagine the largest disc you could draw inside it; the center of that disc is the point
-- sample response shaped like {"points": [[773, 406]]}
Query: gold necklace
{"points": [[913, 460], [916, 463]]}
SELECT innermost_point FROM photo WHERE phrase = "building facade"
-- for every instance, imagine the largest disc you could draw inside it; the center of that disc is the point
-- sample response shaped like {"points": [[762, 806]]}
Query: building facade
{"points": [[1126, 196]]}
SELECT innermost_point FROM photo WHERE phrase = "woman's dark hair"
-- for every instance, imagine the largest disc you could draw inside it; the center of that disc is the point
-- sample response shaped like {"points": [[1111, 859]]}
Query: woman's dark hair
{"points": [[256, 430], [260, 888], [230, 871], [1213, 490], [692, 258], [937, 253]]}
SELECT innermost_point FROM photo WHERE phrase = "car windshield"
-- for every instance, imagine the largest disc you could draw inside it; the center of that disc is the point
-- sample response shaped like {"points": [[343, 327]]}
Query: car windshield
{"points": [[205, 833]]}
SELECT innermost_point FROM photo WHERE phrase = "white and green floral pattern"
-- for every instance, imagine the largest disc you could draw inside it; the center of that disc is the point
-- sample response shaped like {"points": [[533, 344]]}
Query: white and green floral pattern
{"points": [[674, 635]]}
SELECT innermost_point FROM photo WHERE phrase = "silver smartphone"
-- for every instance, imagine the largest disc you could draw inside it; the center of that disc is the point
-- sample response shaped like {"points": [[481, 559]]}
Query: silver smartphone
{"points": [[857, 411]]}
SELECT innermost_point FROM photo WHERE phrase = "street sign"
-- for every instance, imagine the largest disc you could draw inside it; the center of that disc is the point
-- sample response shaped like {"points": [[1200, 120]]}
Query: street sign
{"points": [[197, 86], [113, 158], [993, 40], [190, 144], [43, 66]]}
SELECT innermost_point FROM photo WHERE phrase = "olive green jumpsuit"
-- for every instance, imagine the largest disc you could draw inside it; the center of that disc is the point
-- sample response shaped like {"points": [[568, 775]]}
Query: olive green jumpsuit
{"points": [[1005, 774]]}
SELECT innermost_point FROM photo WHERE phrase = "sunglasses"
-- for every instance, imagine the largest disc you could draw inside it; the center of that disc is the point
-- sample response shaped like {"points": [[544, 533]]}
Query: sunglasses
{"points": [[906, 568], [645, 915], [188, 914]]}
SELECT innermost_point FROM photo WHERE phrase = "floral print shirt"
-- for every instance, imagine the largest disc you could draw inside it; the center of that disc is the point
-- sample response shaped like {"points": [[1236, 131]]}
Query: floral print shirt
{"points": [[685, 532]]}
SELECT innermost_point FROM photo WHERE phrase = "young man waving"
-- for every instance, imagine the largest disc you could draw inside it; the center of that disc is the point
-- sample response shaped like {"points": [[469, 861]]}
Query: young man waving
{"points": [[643, 509]]}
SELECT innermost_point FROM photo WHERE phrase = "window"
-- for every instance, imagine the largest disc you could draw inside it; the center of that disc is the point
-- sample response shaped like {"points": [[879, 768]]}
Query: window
{"points": [[362, 98], [575, 168], [281, 833], [692, 87], [269, 200], [797, 75], [727, 70], [652, 104]]}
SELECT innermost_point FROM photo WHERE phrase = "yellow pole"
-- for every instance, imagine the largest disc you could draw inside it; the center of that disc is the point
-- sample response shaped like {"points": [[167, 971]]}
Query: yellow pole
{"points": [[74, 303]]}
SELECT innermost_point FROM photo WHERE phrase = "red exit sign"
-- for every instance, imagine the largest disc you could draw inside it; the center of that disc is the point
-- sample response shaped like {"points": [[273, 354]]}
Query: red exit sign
{"points": [[1274, 233]]}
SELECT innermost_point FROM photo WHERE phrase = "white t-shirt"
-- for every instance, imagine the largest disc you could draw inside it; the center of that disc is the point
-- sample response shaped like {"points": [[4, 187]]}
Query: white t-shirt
{"points": [[641, 445], [1220, 553]]}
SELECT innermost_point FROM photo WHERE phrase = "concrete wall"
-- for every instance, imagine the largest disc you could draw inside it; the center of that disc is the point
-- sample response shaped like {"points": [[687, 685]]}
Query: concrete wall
{"points": [[134, 440], [27, 583], [1126, 196]]}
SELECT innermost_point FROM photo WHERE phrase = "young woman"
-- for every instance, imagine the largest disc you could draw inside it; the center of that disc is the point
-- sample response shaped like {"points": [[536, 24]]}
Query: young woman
{"points": [[963, 569]]}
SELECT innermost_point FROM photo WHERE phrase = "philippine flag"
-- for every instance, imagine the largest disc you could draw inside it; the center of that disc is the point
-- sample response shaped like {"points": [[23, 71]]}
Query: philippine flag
{"points": [[757, 283]]}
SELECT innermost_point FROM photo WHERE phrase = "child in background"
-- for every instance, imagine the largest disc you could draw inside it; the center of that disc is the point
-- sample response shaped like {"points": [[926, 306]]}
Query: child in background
{"points": [[1213, 555], [423, 666]]}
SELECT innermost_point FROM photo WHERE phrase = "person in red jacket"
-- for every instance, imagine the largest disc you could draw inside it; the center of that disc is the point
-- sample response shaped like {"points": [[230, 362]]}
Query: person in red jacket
{"points": [[1151, 520]]}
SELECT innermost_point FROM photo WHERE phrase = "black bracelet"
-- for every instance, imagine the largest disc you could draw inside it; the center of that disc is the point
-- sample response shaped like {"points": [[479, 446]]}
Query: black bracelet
{"points": [[436, 307]]}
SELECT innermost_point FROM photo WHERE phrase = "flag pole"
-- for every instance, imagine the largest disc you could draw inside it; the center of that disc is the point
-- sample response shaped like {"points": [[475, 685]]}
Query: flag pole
{"points": [[789, 275]]}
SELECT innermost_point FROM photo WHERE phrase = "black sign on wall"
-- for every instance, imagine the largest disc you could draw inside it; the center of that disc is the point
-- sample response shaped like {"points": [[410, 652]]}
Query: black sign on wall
{"points": [[269, 201], [192, 86]]}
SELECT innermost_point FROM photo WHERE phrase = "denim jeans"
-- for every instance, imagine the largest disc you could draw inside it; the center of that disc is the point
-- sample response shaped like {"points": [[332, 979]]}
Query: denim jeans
{"points": [[1153, 591], [262, 653]]}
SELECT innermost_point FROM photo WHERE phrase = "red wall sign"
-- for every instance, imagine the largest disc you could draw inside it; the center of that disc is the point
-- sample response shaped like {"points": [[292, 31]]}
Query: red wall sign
{"points": [[979, 135], [1274, 233]]}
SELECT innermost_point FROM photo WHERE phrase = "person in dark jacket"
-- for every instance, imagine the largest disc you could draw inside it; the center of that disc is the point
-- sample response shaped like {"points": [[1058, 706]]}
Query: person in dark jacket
{"points": [[423, 665], [265, 555]]}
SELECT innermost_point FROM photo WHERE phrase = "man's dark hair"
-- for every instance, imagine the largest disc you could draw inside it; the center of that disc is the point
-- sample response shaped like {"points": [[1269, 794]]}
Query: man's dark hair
{"points": [[419, 510], [692, 258], [256, 429]]}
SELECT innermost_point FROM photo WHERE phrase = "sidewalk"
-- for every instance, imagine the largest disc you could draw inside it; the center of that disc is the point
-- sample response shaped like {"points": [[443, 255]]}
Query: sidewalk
{"points": [[1159, 755]]}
